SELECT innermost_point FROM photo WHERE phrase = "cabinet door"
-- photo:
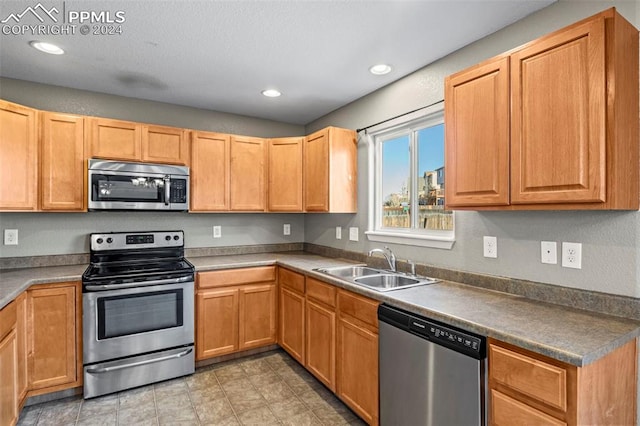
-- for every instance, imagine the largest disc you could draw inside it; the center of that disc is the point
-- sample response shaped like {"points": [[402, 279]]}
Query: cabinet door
{"points": [[477, 135], [18, 157], [210, 157], [292, 323], [558, 117], [21, 333], [285, 175], [9, 379], [62, 167], [316, 171], [248, 159], [216, 322], [53, 341], [116, 140], [257, 315], [357, 369], [165, 145], [320, 343]]}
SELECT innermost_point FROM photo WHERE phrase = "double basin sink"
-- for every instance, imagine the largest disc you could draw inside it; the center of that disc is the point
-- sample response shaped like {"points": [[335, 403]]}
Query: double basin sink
{"points": [[376, 279]]}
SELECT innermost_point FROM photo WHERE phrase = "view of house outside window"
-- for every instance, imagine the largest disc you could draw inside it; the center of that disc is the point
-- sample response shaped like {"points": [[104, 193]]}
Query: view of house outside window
{"points": [[411, 178]]}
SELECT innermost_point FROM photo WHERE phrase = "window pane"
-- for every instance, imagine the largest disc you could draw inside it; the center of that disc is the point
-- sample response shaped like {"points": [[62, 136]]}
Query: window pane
{"points": [[395, 183], [431, 180]]}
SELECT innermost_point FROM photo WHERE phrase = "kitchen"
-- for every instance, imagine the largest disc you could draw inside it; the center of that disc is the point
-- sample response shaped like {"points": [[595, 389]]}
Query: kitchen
{"points": [[609, 239]]}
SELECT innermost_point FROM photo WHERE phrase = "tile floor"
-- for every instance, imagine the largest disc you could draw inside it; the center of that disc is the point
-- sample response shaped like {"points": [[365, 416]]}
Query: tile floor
{"points": [[264, 389]]}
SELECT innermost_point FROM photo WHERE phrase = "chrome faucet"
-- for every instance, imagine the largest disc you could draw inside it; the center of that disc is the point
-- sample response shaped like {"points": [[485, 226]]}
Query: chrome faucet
{"points": [[391, 258]]}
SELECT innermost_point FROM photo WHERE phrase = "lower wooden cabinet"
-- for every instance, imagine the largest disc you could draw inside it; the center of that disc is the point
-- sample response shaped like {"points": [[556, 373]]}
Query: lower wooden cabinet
{"points": [[21, 329], [291, 324], [235, 310], [54, 337], [320, 339], [357, 355], [530, 389], [8, 366]]}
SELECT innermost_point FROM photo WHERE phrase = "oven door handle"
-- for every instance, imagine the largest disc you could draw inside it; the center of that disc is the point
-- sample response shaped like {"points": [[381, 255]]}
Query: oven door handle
{"points": [[102, 287], [102, 370]]}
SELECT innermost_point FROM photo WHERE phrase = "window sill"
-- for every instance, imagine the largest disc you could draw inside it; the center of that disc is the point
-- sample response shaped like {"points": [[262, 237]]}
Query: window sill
{"points": [[432, 241]]}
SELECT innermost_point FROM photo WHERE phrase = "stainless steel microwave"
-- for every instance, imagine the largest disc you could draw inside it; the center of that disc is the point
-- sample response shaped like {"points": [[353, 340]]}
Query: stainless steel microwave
{"points": [[118, 185]]}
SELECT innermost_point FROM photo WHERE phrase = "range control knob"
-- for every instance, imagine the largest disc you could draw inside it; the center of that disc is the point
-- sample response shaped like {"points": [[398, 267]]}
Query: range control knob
{"points": [[109, 240], [175, 237], [99, 240], [168, 238]]}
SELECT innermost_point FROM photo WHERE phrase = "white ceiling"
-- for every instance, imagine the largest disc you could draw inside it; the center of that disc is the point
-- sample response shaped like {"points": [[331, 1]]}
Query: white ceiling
{"points": [[220, 55]]}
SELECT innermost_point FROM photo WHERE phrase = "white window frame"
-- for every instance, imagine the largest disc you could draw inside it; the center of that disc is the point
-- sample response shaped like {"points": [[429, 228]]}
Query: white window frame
{"points": [[410, 236]]}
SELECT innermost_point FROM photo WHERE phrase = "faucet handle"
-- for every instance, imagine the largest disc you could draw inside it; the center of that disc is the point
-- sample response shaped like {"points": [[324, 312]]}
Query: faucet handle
{"points": [[413, 266]]}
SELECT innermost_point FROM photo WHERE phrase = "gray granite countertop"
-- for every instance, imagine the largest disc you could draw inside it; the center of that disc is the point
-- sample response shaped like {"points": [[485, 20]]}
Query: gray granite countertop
{"points": [[571, 335]]}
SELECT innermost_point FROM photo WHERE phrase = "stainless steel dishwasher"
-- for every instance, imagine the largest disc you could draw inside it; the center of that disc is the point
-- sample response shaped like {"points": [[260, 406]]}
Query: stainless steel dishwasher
{"points": [[431, 373]]}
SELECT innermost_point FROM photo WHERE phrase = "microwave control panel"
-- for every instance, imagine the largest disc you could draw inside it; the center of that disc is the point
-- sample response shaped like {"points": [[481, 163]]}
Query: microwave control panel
{"points": [[178, 191]]}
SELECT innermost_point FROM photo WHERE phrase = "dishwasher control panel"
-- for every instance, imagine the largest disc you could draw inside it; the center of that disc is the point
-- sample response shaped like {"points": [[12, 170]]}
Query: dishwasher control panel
{"points": [[435, 331]]}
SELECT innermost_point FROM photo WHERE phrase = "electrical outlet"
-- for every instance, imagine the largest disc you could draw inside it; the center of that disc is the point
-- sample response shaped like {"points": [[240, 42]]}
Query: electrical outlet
{"points": [[572, 255], [286, 229], [338, 232], [217, 231], [353, 233], [490, 248], [549, 252], [10, 237]]}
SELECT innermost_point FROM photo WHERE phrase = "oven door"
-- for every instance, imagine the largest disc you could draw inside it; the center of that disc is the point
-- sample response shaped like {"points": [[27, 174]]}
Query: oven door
{"points": [[131, 321]]}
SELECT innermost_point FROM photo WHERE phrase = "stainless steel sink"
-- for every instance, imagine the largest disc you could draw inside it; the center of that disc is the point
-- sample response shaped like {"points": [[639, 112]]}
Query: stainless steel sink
{"points": [[376, 279]]}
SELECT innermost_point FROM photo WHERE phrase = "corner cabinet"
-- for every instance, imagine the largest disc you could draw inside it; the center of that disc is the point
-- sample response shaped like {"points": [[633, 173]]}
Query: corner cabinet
{"points": [[284, 185], [550, 125], [528, 388], [235, 310], [18, 158], [330, 171]]}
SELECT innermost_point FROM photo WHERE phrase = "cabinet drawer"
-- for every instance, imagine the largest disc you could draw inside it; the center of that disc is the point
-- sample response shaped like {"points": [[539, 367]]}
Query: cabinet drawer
{"points": [[535, 378], [359, 307], [325, 293], [229, 277], [291, 280], [7, 319], [508, 411]]}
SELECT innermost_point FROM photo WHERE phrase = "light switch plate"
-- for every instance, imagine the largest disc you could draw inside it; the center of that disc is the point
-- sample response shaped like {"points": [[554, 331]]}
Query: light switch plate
{"points": [[338, 232], [549, 252], [353, 233]]}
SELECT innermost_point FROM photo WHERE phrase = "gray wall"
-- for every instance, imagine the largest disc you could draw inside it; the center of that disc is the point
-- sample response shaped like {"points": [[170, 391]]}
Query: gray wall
{"points": [[66, 233], [610, 240]]}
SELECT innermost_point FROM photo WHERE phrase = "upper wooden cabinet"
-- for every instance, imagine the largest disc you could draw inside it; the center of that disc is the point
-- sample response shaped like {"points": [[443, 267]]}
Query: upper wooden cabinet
{"points": [[330, 171], [210, 158], [284, 185], [18, 157], [573, 123], [165, 145], [248, 173], [62, 166], [125, 140]]}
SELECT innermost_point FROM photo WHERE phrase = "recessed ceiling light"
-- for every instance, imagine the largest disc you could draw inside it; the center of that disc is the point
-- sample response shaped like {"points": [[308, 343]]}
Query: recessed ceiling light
{"points": [[46, 47], [271, 93], [380, 69]]}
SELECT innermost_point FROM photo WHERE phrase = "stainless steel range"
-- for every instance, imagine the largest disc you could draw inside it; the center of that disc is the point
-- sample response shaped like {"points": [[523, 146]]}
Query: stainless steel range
{"points": [[138, 311]]}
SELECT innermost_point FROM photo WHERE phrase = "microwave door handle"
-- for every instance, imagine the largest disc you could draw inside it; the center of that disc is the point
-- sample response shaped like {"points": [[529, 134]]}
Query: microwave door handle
{"points": [[167, 190]]}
